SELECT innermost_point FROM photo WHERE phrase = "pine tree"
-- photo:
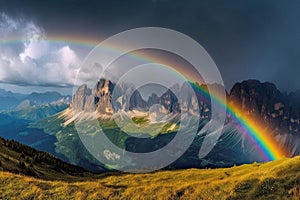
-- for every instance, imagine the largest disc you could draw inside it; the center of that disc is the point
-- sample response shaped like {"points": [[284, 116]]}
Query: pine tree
{"points": [[22, 165]]}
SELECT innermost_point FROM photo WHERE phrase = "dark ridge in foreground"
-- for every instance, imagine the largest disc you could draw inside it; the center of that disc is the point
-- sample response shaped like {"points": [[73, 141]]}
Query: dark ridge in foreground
{"points": [[21, 159]]}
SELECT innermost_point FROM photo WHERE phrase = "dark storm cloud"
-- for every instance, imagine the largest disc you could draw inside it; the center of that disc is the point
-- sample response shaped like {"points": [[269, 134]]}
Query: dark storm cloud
{"points": [[247, 39]]}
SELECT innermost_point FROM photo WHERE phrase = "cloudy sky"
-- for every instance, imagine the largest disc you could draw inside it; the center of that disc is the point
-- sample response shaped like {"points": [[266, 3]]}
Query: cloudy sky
{"points": [[247, 39]]}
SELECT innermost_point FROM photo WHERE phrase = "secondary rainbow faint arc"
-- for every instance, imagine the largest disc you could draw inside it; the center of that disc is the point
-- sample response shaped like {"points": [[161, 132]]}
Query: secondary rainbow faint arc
{"points": [[262, 140]]}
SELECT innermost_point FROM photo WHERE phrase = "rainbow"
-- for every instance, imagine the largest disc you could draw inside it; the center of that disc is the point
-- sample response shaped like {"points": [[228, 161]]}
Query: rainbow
{"points": [[255, 132], [89, 44]]}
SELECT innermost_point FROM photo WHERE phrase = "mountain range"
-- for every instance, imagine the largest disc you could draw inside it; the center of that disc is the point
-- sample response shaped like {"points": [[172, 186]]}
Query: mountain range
{"points": [[278, 111], [12, 101], [17, 111], [50, 126]]}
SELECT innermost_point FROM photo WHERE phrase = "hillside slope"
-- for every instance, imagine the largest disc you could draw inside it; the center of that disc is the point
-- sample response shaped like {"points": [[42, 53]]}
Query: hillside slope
{"points": [[34, 113], [21, 159], [275, 180]]}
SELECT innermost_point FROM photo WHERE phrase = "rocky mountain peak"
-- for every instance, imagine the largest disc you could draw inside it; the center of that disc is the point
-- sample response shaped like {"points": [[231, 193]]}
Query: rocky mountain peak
{"points": [[277, 110], [255, 97], [80, 97], [104, 87]]}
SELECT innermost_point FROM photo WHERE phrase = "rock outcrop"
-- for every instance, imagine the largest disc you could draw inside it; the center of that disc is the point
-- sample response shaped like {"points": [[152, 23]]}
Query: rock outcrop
{"points": [[279, 111]]}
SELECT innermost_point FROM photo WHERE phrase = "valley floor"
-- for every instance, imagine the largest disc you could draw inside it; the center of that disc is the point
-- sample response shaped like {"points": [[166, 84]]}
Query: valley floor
{"points": [[274, 180]]}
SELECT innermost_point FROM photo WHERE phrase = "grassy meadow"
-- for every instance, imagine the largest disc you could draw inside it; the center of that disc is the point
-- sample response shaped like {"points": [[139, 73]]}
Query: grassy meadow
{"points": [[274, 180]]}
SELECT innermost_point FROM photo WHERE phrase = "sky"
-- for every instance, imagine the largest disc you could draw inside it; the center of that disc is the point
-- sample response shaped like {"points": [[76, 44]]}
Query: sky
{"points": [[254, 39]]}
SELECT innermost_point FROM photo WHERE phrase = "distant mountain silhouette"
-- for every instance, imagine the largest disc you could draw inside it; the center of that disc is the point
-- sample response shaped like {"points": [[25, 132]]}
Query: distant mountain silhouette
{"points": [[11, 101]]}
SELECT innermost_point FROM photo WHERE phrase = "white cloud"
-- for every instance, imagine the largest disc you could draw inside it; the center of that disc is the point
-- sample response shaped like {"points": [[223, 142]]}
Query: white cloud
{"points": [[34, 60]]}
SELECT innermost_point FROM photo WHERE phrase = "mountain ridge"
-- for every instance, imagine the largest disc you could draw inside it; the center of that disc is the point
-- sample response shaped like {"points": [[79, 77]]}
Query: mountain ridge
{"points": [[22, 159], [233, 148], [252, 96], [10, 101]]}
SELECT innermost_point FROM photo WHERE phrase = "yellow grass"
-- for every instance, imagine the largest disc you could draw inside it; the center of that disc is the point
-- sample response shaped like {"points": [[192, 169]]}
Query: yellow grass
{"points": [[275, 180]]}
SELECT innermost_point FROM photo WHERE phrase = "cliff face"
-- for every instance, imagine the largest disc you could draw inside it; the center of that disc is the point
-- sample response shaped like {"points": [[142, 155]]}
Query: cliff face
{"points": [[80, 98], [278, 110], [102, 96], [96, 99], [106, 98]]}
